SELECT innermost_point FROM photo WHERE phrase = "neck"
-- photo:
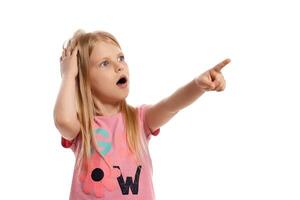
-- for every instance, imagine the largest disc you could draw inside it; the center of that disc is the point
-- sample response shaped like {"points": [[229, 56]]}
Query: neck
{"points": [[106, 109]]}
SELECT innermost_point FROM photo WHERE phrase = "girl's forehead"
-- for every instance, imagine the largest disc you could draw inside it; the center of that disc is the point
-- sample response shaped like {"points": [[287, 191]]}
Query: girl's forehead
{"points": [[104, 49]]}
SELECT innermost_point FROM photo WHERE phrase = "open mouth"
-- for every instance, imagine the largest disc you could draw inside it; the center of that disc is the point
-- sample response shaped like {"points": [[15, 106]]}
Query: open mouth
{"points": [[122, 81]]}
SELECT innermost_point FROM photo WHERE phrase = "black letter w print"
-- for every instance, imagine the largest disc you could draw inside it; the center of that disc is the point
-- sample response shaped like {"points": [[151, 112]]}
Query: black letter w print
{"points": [[134, 185]]}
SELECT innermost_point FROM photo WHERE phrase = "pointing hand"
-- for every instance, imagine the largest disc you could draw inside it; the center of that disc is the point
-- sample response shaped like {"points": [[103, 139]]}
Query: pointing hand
{"points": [[212, 79]]}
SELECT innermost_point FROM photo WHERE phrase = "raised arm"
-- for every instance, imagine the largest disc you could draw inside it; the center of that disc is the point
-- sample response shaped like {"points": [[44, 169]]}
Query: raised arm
{"points": [[64, 113], [161, 112]]}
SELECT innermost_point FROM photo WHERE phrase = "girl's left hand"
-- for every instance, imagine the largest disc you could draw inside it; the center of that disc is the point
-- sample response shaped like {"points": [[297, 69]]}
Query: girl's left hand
{"points": [[213, 80]]}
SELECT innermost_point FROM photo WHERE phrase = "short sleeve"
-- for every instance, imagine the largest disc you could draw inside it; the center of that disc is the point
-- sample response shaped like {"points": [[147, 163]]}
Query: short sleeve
{"points": [[72, 144], [142, 110], [66, 143]]}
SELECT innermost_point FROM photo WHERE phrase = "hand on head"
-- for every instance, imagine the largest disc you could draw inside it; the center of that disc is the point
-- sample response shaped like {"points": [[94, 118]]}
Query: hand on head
{"points": [[68, 59]]}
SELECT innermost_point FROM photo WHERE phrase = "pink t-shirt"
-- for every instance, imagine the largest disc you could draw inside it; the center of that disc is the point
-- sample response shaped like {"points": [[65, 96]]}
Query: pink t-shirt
{"points": [[120, 178]]}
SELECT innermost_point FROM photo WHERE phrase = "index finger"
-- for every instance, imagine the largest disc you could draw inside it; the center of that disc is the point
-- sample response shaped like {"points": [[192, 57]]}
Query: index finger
{"points": [[74, 51], [222, 64]]}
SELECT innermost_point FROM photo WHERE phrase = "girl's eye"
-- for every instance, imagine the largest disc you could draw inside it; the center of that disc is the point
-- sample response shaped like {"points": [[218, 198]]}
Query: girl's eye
{"points": [[105, 63], [122, 58]]}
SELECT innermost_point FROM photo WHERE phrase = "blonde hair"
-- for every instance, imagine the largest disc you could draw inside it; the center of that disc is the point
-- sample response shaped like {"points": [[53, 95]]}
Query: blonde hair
{"points": [[86, 109]]}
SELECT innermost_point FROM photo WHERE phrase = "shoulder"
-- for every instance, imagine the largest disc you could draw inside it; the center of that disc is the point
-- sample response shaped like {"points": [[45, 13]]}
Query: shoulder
{"points": [[142, 108], [142, 112]]}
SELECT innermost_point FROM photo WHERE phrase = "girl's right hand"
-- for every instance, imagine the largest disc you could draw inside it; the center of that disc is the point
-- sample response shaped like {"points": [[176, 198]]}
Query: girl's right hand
{"points": [[68, 60]]}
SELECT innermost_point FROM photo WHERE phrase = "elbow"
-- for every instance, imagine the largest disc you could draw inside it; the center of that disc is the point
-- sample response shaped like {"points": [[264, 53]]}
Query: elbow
{"points": [[60, 120], [68, 130]]}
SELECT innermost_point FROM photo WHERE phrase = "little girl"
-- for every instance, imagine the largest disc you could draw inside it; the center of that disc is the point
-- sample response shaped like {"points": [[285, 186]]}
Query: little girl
{"points": [[108, 136]]}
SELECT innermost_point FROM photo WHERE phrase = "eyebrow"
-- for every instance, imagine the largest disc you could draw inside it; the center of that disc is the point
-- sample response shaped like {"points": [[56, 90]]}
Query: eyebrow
{"points": [[98, 60]]}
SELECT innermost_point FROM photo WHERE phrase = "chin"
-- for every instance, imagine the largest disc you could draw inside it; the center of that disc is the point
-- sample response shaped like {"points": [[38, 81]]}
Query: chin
{"points": [[123, 97], [126, 96]]}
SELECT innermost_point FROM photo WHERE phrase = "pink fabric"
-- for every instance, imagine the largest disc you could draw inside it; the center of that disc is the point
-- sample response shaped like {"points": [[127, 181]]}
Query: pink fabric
{"points": [[117, 176]]}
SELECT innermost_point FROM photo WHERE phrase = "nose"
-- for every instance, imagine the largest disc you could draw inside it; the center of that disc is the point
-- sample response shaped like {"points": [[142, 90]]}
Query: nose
{"points": [[119, 66]]}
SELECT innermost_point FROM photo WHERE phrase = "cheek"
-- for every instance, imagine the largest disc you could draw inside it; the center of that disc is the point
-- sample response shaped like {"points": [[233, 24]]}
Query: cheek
{"points": [[101, 82]]}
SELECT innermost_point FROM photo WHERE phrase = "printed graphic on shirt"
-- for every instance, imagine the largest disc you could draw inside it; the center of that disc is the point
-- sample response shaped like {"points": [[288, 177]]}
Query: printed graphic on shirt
{"points": [[133, 185], [106, 145], [100, 176]]}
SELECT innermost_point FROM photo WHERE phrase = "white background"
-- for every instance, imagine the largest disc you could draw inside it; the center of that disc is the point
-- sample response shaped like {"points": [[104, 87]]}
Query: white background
{"points": [[242, 143]]}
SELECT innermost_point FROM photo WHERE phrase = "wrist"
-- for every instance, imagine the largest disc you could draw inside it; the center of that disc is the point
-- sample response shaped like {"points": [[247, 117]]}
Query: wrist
{"points": [[198, 85]]}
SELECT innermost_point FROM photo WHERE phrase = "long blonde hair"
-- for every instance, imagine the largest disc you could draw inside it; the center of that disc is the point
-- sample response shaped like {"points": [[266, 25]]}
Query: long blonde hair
{"points": [[85, 106]]}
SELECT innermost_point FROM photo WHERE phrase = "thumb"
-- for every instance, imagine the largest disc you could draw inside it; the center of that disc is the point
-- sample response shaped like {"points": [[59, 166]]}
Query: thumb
{"points": [[209, 85], [212, 85]]}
